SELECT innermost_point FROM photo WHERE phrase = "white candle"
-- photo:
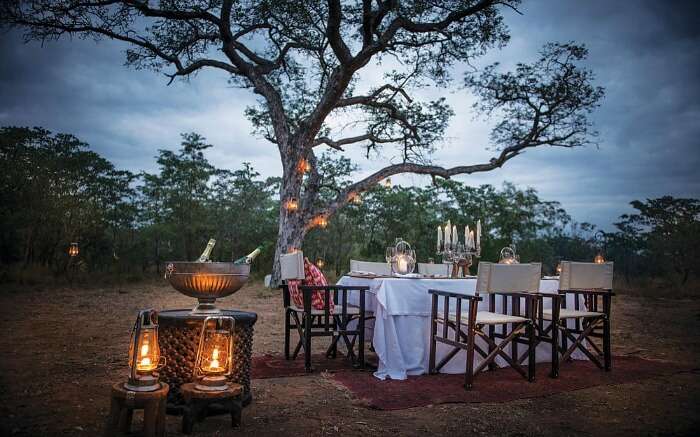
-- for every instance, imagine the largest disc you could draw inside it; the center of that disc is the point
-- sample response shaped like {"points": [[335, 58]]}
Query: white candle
{"points": [[455, 236], [448, 235], [466, 237], [439, 239], [471, 239], [402, 264], [478, 234]]}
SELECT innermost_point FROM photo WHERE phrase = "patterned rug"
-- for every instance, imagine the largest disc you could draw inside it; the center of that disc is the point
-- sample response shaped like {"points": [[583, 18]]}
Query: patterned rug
{"points": [[502, 385]]}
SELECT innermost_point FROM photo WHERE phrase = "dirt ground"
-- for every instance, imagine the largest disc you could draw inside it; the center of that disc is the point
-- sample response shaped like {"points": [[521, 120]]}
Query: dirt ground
{"points": [[62, 348]]}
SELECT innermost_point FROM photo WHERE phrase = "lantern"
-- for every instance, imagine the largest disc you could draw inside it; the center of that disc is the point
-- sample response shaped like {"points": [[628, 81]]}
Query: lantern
{"points": [[292, 204], [304, 166], [387, 183], [508, 256], [600, 243], [322, 221], [144, 353], [559, 269], [355, 198], [403, 258], [320, 263], [214, 354], [73, 249]]}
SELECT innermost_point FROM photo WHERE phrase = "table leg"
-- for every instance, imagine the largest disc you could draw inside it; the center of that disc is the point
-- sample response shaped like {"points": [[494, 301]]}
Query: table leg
{"points": [[150, 417]]}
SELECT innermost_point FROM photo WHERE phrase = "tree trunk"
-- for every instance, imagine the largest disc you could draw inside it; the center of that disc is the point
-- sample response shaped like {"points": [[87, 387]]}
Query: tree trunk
{"points": [[292, 224]]}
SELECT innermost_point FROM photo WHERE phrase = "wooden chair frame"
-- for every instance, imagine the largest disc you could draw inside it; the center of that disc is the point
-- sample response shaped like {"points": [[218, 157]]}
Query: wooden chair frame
{"points": [[467, 340], [558, 334], [328, 324]]}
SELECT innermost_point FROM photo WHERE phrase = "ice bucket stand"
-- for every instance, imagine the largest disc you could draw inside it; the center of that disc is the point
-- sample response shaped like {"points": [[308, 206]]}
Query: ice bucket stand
{"points": [[179, 332]]}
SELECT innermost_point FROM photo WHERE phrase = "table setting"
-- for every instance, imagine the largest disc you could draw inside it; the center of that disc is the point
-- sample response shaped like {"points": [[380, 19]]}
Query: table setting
{"points": [[401, 303]]}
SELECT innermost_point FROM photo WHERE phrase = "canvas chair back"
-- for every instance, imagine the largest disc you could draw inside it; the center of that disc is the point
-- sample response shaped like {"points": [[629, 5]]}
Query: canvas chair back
{"points": [[372, 267], [493, 277], [434, 269], [585, 276], [292, 266]]}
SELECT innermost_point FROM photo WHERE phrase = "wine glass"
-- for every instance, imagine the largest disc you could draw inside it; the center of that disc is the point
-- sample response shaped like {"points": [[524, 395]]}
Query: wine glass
{"points": [[390, 252]]}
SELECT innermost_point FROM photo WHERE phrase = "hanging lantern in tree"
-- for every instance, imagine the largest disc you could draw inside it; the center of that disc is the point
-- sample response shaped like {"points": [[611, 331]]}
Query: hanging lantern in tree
{"points": [[322, 221], [304, 166], [355, 198], [73, 249], [292, 204], [403, 259], [508, 256], [144, 353], [214, 355]]}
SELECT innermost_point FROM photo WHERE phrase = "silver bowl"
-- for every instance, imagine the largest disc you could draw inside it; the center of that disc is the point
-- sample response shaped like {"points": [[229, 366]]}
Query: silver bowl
{"points": [[206, 281]]}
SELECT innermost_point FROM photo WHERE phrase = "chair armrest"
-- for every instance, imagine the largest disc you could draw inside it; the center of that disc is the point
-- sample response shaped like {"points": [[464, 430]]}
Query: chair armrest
{"points": [[474, 298], [593, 292], [524, 294]]}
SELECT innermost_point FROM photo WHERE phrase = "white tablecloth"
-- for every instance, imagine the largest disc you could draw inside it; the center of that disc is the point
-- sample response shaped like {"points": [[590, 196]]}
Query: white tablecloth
{"points": [[401, 334]]}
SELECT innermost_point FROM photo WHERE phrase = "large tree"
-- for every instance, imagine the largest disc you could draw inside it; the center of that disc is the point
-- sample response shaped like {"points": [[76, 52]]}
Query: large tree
{"points": [[304, 59]]}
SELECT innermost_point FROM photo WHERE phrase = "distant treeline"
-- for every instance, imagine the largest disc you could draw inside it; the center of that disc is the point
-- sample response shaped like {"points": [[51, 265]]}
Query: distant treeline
{"points": [[55, 191]]}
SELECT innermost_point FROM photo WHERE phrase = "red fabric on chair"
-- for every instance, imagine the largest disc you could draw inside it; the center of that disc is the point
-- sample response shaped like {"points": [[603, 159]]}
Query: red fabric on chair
{"points": [[312, 276]]}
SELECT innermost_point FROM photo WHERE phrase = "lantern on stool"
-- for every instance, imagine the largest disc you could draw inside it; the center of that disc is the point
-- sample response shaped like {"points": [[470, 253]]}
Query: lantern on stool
{"points": [[144, 353], [213, 362], [403, 260]]}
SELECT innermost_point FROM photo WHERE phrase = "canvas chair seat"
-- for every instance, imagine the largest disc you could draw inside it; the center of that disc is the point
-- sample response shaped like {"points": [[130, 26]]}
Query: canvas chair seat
{"points": [[571, 314], [487, 318], [352, 310]]}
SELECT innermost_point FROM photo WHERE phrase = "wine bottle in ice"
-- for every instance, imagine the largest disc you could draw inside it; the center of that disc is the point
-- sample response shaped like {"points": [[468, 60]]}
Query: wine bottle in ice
{"points": [[250, 257], [204, 257]]}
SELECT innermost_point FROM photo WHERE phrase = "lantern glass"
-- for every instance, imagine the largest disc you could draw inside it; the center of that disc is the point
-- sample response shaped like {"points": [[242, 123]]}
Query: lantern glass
{"points": [[403, 258], [320, 263], [73, 249], [214, 355], [508, 256], [599, 259], [144, 353]]}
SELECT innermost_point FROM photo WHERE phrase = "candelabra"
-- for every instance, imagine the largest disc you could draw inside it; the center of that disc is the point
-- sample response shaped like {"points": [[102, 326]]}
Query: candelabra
{"points": [[460, 257]]}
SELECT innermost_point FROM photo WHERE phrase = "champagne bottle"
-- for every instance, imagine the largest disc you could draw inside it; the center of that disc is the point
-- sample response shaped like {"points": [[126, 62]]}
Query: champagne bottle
{"points": [[204, 257], [249, 258]]}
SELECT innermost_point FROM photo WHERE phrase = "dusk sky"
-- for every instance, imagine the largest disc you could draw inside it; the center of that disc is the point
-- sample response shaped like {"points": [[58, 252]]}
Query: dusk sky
{"points": [[645, 53]]}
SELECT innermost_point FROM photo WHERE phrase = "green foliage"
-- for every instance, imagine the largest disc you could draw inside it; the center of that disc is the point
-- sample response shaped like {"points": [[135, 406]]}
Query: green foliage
{"points": [[55, 191]]}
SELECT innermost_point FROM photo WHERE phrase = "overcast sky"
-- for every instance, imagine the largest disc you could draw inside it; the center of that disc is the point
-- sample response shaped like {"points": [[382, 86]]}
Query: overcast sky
{"points": [[645, 53]]}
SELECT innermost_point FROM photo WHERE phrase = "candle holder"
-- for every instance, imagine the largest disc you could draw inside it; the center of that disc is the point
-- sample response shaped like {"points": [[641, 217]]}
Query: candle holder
{"points": [[508, 256], [401, 258], [459, 254]]}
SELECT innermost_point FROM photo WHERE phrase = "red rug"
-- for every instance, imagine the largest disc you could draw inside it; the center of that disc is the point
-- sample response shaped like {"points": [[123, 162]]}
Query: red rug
{"points": [[275, 366], [502, 385]]}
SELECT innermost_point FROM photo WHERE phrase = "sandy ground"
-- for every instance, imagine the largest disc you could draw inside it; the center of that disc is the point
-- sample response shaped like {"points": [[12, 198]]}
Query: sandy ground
{"points": [[62, 348]]}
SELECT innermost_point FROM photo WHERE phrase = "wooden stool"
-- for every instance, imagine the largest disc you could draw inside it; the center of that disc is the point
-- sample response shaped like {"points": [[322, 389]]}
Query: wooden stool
{"points": [[197, 402], [124, 402]]}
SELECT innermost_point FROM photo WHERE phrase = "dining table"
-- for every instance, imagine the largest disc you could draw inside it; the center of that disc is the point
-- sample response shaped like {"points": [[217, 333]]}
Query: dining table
{"points": [[401, 306]]}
